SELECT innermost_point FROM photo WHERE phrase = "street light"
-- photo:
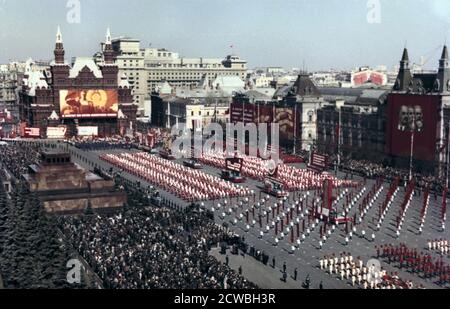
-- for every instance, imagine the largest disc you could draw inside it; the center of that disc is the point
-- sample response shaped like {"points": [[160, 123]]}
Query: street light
{"points": [[339, 105], [339, 138], [448, 156], [411, 159]]}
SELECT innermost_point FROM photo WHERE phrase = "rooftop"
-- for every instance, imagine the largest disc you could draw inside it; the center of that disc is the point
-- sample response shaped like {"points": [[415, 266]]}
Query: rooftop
{"points": [[85, 62], [355, 96]]}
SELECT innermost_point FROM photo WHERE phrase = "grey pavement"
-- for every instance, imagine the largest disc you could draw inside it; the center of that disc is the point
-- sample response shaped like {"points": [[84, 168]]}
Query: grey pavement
{"points": [[306, 257], [264, 276]]}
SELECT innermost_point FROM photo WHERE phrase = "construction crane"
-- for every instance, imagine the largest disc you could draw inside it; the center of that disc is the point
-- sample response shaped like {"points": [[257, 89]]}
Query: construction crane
{"points": [[426, 58]]}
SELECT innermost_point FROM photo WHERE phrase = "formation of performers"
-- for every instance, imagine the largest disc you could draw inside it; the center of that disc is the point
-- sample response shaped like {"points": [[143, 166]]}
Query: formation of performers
{"points": [[295, 220], [359, 274], [444, 209], [298, 220], [416, 262], [439, 245], [187, 184], [404, 207], [294, 179]]}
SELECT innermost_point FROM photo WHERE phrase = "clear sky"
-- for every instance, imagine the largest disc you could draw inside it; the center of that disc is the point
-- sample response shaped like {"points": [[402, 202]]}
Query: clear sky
{"points": [[323, 33]]}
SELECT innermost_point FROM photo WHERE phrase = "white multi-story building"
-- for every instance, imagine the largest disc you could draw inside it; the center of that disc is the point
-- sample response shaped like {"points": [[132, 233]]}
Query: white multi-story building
{"points": [[11, 76], [146, 68], [322, 79], [196, 107], [260, 80]]}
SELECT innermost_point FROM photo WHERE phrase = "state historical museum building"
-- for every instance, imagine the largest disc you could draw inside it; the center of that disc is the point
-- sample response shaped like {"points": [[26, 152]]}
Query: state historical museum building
{"points": [[86, 98]]}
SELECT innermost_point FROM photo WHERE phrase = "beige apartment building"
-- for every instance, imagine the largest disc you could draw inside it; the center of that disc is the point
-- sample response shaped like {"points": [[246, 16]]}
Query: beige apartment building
{"points": [[146, 68]]}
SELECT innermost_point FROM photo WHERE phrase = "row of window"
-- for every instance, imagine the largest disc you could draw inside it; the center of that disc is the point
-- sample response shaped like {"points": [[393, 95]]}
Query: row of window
{"points": [[190, 65], [131, 61], [207, 113], [189, 73], [164, 55], [348, 137], [201, 73]]}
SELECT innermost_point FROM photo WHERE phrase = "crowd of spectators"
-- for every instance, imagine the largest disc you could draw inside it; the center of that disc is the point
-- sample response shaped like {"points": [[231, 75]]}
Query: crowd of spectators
{"points": [[16, 159], [374, 170], [102, 144], [154, 248]]}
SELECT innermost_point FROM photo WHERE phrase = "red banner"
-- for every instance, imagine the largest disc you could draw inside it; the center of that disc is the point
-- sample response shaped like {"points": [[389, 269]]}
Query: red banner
{"points": [[319, 161], [242, 112], [32, 133], [285, 117], [413, 113]]}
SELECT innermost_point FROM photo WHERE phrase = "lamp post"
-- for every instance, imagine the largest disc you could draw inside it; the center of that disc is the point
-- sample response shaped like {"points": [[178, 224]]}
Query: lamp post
{"points": [[339, 137], [448, 156], [411, 159], [339, 105], [295, 130]]}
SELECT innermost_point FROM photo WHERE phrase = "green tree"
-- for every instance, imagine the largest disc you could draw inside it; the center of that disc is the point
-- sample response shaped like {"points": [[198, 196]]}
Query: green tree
{"points": [[33, 254]]}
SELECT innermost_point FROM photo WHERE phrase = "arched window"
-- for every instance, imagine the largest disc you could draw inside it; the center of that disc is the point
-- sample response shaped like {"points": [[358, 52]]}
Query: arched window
{"points": [[437, 85], [310, 116]]}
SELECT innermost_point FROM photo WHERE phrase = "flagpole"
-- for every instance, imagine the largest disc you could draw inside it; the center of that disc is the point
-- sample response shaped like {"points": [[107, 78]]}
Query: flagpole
{"points": [[295, 130]]}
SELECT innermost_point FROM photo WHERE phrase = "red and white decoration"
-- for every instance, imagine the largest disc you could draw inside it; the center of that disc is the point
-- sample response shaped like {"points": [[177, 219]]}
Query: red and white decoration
{"points": [[187, 184], [293, 178]]}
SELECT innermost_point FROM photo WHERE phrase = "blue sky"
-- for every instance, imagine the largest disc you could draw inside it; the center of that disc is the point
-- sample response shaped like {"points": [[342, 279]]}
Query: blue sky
{"points": [[323, 33]]}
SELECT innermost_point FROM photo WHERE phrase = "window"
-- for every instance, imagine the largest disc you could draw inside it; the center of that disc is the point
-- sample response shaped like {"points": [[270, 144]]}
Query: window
{"points": [[310, 116]]}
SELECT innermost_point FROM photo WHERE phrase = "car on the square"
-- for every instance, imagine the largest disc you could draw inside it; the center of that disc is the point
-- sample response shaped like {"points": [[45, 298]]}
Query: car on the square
{"points": [[275, 188], [233, 176], [194, 164]]}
